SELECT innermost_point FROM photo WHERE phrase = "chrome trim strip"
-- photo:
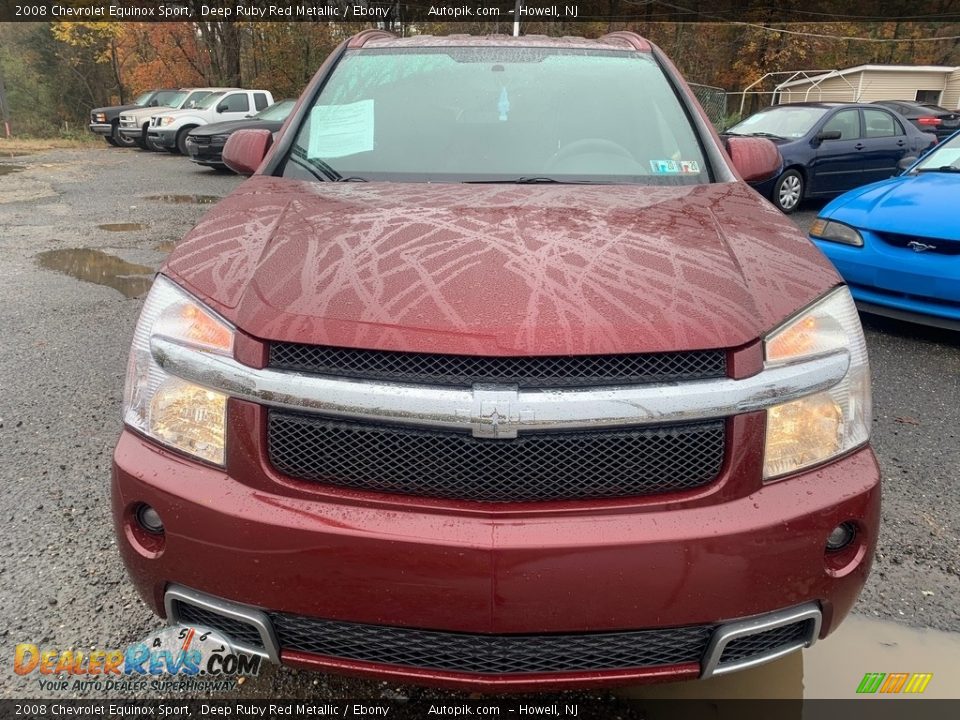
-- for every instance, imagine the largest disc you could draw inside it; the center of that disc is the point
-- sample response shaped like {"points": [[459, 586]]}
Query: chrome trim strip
{"points": [[742, 628], [502, 410], [176, 594]]}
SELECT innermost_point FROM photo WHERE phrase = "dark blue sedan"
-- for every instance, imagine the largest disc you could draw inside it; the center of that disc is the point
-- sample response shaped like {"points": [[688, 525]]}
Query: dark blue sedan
{"points": [[829, 148], [897, 242]]}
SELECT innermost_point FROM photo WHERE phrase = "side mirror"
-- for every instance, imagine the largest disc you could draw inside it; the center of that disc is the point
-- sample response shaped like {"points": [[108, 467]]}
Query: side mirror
{"points": [[754, 158], [905, 163], [222, 107], [828, 135], [246, 149]]}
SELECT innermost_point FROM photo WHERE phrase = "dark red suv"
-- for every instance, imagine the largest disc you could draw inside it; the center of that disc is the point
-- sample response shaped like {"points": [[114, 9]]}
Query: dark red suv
{"points": [[496, 374]]}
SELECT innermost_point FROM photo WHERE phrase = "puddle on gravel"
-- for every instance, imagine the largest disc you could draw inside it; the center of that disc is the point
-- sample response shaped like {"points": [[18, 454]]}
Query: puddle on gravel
{"points": [[6, 169], [834, 668], [185, 199], [122, 227], [101, 268]]}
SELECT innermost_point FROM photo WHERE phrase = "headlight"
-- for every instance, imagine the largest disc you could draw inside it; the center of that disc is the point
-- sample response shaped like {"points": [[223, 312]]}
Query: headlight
{"points": [[174, 412], [835, 232], [166, 120], [100, 117], [818, 427], [219, 139]]}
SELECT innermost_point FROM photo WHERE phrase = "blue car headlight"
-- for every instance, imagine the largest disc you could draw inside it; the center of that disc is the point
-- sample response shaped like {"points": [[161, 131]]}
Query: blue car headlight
{"points": [[823, 229]]}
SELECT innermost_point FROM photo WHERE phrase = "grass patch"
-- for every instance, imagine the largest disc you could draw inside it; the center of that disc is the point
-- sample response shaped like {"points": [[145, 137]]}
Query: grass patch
{"points": [[17, 144]]}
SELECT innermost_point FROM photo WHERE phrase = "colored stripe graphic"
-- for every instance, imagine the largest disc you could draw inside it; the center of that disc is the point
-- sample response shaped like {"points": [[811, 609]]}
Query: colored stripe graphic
{"points": [[893, 683], [871, 682]]}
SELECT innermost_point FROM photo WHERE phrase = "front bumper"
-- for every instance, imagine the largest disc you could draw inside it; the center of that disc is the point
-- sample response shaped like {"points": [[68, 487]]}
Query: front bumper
{"points": [[162, 138], [898, 282], [101, 128], [207, 154], [403, 563], [131, 131]]}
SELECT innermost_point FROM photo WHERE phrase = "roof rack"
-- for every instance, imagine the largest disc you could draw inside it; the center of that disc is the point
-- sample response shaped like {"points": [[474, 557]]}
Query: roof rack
{"points": [[637, 42], [364, 36]]}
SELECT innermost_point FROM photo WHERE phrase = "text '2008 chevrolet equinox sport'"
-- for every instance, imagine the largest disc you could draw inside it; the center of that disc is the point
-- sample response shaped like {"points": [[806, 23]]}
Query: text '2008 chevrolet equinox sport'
{"points": [[497, 375]]}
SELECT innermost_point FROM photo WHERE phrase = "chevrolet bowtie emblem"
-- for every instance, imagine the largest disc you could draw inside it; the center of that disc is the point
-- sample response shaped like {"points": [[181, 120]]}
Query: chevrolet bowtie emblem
{"points": [[495, 413]]}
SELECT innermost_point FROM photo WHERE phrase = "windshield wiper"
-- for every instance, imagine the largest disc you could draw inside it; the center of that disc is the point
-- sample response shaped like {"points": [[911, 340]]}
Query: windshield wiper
{"points": [[314, 164], [766, 135], [942, 168]]}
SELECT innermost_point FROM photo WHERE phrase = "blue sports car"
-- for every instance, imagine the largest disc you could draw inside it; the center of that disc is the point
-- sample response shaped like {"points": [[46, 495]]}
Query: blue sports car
{"points": [[897, 242]]}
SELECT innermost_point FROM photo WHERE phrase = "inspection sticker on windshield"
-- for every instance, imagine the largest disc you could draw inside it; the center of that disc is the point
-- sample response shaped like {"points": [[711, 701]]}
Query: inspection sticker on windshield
{"points": [[675, 167], [341, 130]]}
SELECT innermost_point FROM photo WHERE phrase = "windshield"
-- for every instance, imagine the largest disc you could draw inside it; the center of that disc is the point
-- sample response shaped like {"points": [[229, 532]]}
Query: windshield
{"points": [[170, 98], [784, 121], [143, 99], [946, 155], [277, 112], [193, 99], [500, 115], [209, 101]]}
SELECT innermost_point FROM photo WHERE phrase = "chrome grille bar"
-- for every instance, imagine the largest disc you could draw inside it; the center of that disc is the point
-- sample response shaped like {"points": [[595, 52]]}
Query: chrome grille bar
{"points": [[502, 411]]}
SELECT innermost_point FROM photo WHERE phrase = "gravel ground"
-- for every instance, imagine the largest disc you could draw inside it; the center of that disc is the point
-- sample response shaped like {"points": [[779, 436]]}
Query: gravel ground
{"points": [[61, 373]]}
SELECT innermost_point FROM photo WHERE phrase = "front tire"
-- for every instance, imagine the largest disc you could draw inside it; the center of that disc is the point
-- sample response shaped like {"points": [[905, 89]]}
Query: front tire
{"points": [[788, 191], [110, 140], [119, 140], [142, 140], [182, 141]]}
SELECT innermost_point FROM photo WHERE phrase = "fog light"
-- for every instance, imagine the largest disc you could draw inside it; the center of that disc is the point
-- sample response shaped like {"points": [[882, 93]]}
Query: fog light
{"points": [[149, 520], [841, 536]]}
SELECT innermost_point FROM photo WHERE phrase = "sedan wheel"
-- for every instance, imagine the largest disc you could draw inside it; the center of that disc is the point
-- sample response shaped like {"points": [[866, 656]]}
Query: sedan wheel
{"points": [[788, 191]]}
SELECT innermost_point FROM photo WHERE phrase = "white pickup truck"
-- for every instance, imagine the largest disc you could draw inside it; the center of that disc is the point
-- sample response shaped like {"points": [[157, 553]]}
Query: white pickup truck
{"points": [[169, 130], [135, 122]]}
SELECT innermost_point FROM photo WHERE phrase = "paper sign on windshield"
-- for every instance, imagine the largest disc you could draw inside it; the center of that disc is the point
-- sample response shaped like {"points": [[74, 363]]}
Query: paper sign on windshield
{"points": [[340, 130]]}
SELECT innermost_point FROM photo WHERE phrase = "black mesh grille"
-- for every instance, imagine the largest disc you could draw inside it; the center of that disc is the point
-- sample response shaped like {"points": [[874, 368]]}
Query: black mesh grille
{"points": [[752, 645], [465, 370], [502, 654], [233, 629], [931, 245], [538, 466]]}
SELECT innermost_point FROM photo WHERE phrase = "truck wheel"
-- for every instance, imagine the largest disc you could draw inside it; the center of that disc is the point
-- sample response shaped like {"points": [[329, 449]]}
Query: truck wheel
{"points": [[110, 140], [788, 191], [118, 139]]}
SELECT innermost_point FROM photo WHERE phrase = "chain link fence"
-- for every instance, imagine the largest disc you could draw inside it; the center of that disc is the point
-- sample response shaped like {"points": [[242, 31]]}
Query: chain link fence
{"points": [[714, 102]]}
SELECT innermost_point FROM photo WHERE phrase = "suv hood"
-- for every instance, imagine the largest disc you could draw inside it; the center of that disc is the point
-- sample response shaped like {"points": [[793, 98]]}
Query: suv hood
{"points": [[500, 269]]}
